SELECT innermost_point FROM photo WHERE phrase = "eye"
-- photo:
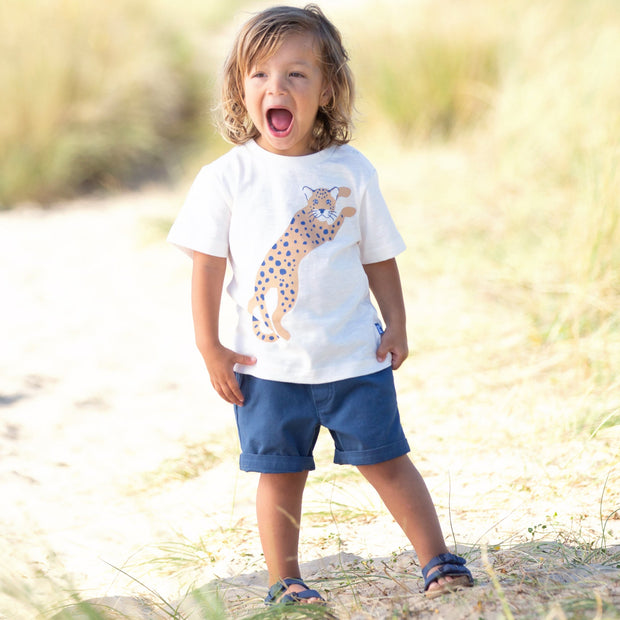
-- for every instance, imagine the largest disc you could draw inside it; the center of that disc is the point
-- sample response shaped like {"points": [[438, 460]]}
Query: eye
{"points": [[315, 202], [297, 74], [328, 203]]}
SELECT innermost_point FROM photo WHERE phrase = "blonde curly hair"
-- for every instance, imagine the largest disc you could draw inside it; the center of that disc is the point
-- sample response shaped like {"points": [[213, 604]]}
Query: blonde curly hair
{"points": [[259, 39]]}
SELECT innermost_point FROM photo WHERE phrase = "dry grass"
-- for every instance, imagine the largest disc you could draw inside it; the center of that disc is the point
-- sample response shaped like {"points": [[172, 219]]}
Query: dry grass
{"points": [[101, 94], [442, 79]]}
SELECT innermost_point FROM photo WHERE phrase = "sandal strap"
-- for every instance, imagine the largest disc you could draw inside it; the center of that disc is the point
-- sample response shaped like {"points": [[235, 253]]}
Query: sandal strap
{"points": [[442, 558], [281, 586], [293, 597], [445, 565], [290, 581]]}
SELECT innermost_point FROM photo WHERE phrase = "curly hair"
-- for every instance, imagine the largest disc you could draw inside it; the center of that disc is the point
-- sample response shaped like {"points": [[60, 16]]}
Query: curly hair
{"points": [[259, 39]]}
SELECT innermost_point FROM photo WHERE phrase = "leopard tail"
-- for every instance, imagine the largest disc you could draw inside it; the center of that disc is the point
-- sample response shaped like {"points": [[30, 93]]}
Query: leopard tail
{"points": [[257, 324]]}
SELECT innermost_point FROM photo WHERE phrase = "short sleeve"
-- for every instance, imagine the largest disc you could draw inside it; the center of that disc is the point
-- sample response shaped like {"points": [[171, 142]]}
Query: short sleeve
{"points": [[380, 239], [202, 224]]}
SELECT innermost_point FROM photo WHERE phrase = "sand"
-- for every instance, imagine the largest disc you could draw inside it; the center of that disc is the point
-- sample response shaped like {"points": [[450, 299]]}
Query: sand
{"points": [[104, 400]]}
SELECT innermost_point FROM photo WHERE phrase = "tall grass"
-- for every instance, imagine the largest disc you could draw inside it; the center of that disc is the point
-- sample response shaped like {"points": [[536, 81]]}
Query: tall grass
{"points": [[531, 90], [558, 129], [523, 193], [100, 93], [427, 70]]}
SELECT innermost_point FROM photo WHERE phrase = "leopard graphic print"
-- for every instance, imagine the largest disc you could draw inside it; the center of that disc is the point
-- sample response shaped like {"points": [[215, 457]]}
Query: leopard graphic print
{"points": [[309, 228]]}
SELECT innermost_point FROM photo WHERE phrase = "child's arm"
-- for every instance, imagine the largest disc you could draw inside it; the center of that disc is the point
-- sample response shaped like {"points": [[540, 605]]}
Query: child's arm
{"points": [[207, 283], [384, 282]]}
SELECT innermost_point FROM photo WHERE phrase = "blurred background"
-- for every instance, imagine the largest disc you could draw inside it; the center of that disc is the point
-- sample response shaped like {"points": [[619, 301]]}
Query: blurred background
{"points": [[108, 96]]}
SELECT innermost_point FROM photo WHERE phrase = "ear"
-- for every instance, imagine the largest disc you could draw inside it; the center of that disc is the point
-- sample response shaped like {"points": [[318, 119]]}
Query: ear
{"points": [[326, 95], [308, 191]]}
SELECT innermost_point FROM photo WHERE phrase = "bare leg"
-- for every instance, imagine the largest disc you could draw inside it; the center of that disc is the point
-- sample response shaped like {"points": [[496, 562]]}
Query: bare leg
{"points": [[406, 496], [278, 509]]}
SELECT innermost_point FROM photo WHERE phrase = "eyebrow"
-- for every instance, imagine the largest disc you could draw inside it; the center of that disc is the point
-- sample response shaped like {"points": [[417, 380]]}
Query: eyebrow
{"points": [[297, 61]]}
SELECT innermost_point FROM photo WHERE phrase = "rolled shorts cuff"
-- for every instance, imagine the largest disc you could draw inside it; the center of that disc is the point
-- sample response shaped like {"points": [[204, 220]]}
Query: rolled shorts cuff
{"points": [[372, 457], [275, 463]]}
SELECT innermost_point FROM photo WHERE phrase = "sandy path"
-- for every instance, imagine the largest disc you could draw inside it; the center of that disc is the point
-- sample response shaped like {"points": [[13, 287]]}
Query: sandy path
{"points": [[99, 381], [100, 384]]}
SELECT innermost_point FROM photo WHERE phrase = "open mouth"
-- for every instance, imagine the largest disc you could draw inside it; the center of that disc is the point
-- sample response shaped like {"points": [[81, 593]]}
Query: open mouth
{"points": [[280, 121]]}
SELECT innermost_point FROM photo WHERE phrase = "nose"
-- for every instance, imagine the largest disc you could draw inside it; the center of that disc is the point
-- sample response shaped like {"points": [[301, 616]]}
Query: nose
{"points": [[277, 84]]}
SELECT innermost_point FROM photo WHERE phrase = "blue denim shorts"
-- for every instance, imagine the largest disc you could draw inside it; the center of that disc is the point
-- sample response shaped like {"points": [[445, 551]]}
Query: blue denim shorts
{"points": [[279, 422]]}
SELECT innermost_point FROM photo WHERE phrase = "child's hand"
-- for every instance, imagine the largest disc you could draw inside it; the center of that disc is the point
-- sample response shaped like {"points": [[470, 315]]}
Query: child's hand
{"points": [[384, 282], [394, 343], [220, 364]]}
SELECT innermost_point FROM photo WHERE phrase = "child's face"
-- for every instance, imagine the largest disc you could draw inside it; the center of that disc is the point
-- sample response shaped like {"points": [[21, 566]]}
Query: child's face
{"points": [[283, 94]]}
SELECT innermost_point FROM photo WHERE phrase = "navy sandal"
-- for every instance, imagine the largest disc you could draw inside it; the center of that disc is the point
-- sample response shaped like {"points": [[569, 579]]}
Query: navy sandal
{"points": [[274, 597], [446, 565]]}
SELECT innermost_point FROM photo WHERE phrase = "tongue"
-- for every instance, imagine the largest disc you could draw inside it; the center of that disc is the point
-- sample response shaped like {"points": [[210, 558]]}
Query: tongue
{"points": [[281, 119]]}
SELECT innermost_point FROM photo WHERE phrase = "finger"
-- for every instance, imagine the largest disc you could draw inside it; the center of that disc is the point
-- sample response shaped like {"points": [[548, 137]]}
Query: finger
{"points": [[397, 361], [228, 390], [245, 360], [236, 394], [220, 391], [382, 352], [229, 395], [398, 357], [233, 391]]}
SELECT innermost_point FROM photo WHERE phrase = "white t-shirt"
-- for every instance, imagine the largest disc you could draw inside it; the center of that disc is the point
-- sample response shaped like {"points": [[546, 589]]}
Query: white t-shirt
{"points": [[297, 232]]}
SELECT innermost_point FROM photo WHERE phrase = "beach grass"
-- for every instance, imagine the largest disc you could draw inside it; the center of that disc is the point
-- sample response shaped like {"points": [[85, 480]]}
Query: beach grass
{"points": [[102, 95], [426, 71]]}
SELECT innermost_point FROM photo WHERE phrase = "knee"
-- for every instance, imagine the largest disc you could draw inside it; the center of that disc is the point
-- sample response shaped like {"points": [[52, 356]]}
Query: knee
{"points": [[388, 469], [286, 481]]}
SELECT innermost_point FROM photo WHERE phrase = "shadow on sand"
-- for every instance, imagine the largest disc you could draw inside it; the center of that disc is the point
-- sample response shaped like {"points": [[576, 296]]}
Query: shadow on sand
{"points": [[528, 577]]}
